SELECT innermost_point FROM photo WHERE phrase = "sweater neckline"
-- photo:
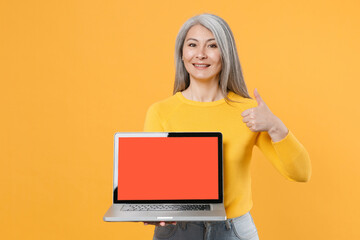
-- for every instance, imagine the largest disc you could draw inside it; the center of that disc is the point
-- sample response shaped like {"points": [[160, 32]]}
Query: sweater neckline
{"points": [[200, 104]]}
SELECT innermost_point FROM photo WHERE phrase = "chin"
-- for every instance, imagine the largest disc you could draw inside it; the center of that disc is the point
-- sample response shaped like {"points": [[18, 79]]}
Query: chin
{"points": [[202, 78]]}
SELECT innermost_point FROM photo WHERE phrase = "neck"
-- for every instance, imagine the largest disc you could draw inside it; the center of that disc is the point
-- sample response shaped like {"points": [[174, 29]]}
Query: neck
{"points": [[203, 91]]}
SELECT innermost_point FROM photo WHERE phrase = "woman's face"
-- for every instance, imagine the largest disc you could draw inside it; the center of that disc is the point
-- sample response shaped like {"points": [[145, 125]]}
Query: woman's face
{"points": [[201, 54]]}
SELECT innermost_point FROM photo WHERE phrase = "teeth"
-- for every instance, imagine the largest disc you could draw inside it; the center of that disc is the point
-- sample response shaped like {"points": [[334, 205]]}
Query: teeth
{"points": [[201, 65]]}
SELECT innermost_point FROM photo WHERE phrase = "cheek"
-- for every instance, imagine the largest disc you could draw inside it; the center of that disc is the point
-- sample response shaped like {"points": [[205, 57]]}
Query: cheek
{"points": [[216, 57], [187, 55], [217, 60]]}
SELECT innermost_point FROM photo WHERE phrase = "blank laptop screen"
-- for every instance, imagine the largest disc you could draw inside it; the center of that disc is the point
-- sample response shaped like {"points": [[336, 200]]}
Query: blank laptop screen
{"points": [[168, 168]]}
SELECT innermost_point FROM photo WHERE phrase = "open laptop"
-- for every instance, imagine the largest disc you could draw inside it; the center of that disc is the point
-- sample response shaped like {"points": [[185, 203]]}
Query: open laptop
{"points": [[167, 176]]}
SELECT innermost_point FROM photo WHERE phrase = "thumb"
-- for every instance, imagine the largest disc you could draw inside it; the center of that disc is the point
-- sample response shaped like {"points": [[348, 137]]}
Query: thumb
{"points": [[258, 98]]}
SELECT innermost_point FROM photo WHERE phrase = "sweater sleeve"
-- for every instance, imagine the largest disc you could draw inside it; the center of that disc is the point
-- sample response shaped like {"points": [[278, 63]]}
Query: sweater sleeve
{"points": [[288, 156], [152, 120]]}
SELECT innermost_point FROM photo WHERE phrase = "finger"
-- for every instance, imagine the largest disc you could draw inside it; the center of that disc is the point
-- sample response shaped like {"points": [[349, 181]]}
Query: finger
{"points": [[247, 112], [151, 223], [248, 118], [258, 98], [250, 124]]}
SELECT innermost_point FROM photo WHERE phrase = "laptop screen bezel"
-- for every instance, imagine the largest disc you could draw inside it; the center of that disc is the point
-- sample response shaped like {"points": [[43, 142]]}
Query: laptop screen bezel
{"points": [[169, 134]]}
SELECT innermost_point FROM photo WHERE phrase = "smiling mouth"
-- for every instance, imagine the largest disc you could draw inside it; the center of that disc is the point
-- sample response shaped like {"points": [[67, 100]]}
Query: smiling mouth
{"points": [[201, 65]]}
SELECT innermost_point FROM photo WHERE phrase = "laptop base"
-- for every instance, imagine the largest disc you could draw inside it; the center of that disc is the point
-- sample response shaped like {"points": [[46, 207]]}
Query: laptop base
{"points": [[114, 214]]}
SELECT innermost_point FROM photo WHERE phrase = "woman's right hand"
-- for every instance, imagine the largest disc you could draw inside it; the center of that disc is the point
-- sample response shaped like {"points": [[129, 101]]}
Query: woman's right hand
{"points": [[159, 223]]}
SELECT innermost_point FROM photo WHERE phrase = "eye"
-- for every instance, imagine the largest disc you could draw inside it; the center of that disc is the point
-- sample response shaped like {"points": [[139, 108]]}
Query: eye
{"points": [[213, 46], [192, 45]]}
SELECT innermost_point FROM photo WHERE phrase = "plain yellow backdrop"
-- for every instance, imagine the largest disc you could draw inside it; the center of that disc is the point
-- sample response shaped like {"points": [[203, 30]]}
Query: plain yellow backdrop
{"points": [[75, 72]]}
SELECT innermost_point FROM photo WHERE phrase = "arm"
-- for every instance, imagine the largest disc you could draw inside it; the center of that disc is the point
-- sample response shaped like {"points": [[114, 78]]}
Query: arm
{"points": [[152, 120], [288, 156], [277, 143]]}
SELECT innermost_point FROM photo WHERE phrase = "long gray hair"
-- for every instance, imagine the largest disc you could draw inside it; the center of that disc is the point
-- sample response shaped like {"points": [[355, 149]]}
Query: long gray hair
{"points": [[230, 76]]}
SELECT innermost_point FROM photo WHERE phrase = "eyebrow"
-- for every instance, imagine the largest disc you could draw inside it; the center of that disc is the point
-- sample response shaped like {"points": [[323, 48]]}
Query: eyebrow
{"points": [[210, 39]]}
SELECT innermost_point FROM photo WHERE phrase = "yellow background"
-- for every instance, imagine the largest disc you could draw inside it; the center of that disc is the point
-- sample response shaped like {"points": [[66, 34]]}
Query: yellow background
{"points": [[75, 72]]}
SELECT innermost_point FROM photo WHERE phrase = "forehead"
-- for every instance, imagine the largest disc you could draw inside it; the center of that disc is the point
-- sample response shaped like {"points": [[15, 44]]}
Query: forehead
{"points": [[198, 31]]}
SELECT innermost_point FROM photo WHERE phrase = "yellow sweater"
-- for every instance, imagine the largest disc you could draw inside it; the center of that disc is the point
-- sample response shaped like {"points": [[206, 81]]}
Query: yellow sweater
{"points": [[178, 114]]}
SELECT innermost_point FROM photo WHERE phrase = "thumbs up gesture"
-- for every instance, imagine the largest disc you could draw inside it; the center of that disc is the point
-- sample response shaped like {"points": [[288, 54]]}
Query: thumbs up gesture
{"points": [[261, 119]]}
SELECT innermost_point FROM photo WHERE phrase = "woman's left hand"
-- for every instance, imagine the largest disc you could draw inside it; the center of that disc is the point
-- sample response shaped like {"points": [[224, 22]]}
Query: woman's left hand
{"points": [[261, 119]]}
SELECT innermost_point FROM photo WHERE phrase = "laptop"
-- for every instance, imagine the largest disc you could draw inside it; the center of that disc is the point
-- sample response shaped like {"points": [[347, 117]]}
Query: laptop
{"points": [[167, 176]]}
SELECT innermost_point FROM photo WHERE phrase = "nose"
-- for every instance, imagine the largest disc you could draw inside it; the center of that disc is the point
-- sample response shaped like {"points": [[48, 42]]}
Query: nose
{"points": [[201, 54]]}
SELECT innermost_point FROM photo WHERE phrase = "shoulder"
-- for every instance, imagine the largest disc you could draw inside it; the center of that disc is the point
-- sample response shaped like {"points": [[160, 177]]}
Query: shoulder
{"points": [[163, 107], [241, 102]]}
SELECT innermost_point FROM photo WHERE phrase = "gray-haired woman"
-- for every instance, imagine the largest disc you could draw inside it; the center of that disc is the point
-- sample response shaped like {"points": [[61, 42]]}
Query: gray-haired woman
{"points": [[210, 95]]}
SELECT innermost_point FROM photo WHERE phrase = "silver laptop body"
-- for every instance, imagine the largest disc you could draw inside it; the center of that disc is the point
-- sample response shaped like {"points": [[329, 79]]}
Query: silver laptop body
{"points": [[155, 171]]}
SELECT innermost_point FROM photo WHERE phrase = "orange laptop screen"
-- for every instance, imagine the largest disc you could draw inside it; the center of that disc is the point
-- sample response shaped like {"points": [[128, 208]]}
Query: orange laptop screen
{"points": [[168, 168]]}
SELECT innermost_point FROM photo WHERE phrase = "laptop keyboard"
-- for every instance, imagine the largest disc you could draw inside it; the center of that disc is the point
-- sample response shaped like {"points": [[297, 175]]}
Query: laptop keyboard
{"points": [[164, 207]]}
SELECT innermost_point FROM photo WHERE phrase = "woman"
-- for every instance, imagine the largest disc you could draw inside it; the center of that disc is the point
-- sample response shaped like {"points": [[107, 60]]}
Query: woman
{"points": [[210, 95]]}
